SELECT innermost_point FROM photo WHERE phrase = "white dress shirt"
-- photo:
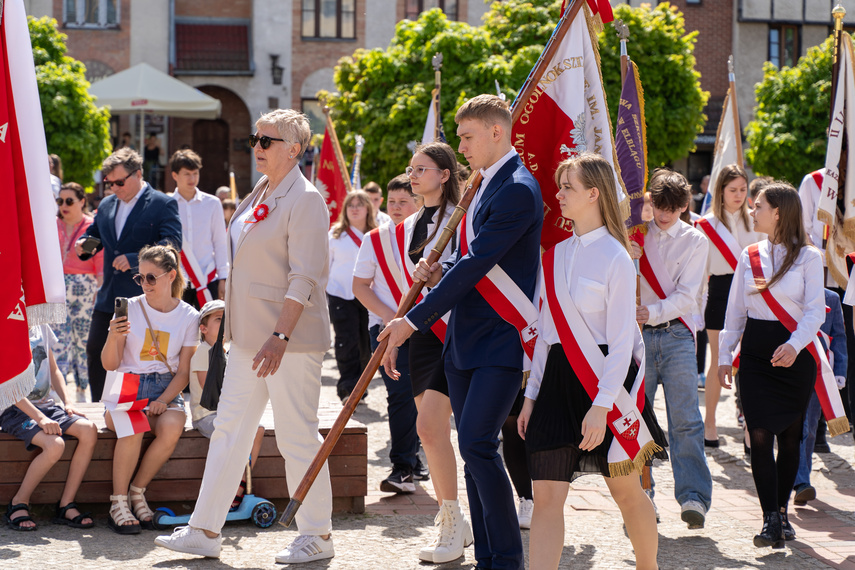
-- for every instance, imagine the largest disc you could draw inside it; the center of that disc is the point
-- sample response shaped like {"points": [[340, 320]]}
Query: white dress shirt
{"points": [[601, 275], [809, 196], [203, 227], [123, 210], [684, 252], [488, 174], [343, 251], [367, 267], [382, 218], [802, 284], [716, 264]]}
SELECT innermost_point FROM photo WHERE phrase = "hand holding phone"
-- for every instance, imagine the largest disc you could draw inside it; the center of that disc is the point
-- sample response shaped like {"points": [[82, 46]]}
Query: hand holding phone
{"points": [[87, 247], [121, 309]]}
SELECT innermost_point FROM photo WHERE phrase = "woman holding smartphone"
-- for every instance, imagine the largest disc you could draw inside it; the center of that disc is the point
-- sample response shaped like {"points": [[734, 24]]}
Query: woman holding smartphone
{"points": [[156, 341]]}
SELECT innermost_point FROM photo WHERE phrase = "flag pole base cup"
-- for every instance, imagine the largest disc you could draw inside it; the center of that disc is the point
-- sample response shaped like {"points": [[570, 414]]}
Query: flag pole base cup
{"points": [[290, 512]]}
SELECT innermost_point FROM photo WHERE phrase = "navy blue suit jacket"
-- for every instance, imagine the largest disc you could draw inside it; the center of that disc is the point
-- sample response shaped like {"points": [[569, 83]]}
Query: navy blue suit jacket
{"points": [[507, 228], [153, 221]]}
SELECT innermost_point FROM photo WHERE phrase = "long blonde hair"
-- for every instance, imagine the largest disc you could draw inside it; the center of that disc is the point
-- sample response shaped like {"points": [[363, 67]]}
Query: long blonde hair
{"points": [[343, 223], [594, 171], [727, 175]]}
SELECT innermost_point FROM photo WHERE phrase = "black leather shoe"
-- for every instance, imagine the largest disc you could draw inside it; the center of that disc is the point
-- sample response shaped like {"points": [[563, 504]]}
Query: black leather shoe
{"points": [[772, 533], [786, 528]]}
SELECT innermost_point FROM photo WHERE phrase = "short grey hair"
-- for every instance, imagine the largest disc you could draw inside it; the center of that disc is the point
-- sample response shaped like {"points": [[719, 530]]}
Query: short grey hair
{"points": [[127, 157], [291, 125]]}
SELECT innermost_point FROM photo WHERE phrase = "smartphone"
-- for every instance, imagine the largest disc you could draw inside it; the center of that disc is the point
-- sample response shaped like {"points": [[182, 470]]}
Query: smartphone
{"points": [[121, 307], [89, 246]]}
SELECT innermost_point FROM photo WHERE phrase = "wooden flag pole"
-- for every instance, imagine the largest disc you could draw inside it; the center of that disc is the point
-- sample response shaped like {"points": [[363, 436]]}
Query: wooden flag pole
{"points": [[299, 494], [339, 156], [838, 13], [731, 77], [436, 61]]}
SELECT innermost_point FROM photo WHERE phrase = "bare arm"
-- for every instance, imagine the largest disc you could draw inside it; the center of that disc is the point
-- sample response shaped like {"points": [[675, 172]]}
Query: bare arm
{"points": [[369, 299], [111, 354], [268, 358]]}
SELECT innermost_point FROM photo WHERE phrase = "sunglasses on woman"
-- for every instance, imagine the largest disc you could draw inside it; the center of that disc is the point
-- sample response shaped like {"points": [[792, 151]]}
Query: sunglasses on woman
{"points": [[120, 183], [265, 141], [68, 201], [150, 278]]}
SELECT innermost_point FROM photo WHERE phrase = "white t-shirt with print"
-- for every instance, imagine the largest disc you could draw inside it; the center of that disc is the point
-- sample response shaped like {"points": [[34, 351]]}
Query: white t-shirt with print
{"points": [[42, 339], [199, 363], [173, 331]]}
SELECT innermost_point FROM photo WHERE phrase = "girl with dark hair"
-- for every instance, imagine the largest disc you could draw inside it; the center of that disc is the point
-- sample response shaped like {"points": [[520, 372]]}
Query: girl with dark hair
{"points": [[776, 372], [156, 340], [729, 231]]}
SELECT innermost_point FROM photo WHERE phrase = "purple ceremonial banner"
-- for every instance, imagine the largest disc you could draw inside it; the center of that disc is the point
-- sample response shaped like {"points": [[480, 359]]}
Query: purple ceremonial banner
{"points": [[630, 144]]}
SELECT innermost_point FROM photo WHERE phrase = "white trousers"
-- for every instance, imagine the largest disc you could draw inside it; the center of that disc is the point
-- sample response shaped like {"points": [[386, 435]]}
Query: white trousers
{"points": [[294, 393]]}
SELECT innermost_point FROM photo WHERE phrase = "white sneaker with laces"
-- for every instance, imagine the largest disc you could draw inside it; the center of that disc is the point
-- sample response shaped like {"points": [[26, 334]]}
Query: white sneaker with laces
{"points": [[191, 540], [306, 548], [453, 533], [524, 512], [693, 514]]}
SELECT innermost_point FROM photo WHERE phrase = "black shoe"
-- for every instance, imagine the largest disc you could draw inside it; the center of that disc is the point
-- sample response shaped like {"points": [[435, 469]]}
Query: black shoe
{"points": [[420, 471], [772, 533], [399, 481], [804, 493], [786, 528], [821, 447], [711, 442]]}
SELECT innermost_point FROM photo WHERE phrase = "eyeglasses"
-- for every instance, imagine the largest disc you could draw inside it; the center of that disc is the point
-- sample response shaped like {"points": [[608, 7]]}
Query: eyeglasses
{"points": [[120, 183], [418, 171], [68, 201], [265, 141], [150, 278]]}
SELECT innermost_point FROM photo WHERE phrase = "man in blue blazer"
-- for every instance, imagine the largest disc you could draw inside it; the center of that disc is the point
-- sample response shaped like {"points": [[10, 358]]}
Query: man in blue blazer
{"points": [[135, 216], [483, 353]]}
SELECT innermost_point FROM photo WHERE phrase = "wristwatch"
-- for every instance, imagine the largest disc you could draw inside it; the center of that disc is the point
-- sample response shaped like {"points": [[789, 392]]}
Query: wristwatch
{"points": [[281, 336]]}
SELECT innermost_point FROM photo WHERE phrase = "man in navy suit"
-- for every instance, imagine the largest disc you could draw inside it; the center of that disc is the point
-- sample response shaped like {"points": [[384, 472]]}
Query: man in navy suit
{"points": [[483, 353], [136, 215]]}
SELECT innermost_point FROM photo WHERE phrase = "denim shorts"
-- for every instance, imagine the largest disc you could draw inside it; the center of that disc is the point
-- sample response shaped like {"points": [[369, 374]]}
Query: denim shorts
{"points": [[153, 385], [18, 424]]}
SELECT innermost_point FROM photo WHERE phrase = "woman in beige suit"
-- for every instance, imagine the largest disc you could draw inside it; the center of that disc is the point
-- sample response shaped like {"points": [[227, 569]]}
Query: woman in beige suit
{"points": [[278, 323]]}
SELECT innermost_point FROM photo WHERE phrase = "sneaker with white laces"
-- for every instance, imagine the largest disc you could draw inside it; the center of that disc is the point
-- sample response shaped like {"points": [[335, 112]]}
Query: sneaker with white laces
{"points": [[453, 535], [693, 514], [400, 481], [649, 493], [306, 548], [191, 540], [526, 507]]}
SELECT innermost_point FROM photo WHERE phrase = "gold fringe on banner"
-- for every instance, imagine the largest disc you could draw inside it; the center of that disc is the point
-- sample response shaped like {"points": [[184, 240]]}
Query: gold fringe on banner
{"points": [[838, 426], [634, 466]]}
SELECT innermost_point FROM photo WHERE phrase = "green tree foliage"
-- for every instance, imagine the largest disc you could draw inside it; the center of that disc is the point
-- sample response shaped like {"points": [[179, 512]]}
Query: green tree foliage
{"points": [[787, 137], [75, 128], [384, 94]]}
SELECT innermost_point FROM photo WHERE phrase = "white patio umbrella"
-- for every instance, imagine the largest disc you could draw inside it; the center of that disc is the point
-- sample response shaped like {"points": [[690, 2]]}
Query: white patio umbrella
{"points": [[142, 88]]}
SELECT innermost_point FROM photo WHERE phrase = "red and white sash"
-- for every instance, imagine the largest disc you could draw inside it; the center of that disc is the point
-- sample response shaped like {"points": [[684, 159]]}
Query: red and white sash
{"points": [[356, 239], [120, 399], [653, 270], [404, 235], [505, 297], [381, 241], [196, 275], [633, 444], [789, 314], [721, 238]]}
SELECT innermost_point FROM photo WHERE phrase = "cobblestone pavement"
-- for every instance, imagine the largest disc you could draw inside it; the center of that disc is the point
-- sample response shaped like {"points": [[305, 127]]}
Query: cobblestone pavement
{"points": [[390, 533]]}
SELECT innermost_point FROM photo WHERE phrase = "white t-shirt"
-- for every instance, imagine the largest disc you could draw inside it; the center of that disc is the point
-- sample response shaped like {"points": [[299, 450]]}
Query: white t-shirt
{"points": [[173, 330], [343, 251], [42, 339], [199, 363], [367, 267]]}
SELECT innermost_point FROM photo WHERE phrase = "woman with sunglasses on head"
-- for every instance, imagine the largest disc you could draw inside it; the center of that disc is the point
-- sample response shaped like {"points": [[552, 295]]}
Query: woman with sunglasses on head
{"points": [[82, 280], [776, 306], [156, 340], [349, 318]]}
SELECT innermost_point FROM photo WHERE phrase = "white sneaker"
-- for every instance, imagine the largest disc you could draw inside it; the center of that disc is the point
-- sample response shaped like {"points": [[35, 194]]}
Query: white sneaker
{"points": [[524, 513], [191, 541], [306, 548], [693, 514], [453, 535], [649, 493]]}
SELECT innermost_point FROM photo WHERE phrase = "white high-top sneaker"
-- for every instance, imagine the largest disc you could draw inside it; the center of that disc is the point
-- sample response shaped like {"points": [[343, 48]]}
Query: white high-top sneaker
{"points": [[453, 535]]}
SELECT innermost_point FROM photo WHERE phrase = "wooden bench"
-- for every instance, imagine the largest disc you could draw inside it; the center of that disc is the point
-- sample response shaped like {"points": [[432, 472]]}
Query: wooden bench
{"points": [[180, 478]]}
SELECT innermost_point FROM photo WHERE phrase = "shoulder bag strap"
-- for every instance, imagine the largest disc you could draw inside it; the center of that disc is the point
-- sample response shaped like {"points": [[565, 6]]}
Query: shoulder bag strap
{"points": [[160, 355]]}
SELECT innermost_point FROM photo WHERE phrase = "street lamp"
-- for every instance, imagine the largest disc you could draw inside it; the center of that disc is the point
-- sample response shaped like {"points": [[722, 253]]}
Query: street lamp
{"points": [[276, 69]]}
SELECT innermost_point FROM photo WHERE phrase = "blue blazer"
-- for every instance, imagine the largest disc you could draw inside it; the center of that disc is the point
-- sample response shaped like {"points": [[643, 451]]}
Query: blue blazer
{"points": [[834, 327], [153, 221], [507, 228]]}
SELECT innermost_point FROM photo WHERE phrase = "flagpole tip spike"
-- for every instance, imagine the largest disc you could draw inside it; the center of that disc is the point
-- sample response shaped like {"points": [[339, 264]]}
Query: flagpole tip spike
{"points": [[730, 64], [622, 30], [839, 12]]}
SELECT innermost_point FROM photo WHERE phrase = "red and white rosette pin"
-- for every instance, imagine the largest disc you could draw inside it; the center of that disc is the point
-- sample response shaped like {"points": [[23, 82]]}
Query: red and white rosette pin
{"points": [[258, 214]]}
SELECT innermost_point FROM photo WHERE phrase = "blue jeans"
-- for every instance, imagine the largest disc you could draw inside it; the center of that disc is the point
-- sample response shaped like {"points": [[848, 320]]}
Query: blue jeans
{"points": [[401, 407], [670, 354], [808, 439]]}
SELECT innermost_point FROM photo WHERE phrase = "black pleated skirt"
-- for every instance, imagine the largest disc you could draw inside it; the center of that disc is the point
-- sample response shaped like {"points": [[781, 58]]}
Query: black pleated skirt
{"points": [[773, 398], [717, 293], [554, 431], [427, 369]]}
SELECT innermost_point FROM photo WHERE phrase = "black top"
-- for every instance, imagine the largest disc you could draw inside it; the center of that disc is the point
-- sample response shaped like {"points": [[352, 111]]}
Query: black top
{"points": [[420, 232]]}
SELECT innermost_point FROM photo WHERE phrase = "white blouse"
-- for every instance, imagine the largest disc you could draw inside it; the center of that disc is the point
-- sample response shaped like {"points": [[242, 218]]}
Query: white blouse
{"points": [[343, 252], [716, 264], [802, 284], [602, 285], [367, 267]]}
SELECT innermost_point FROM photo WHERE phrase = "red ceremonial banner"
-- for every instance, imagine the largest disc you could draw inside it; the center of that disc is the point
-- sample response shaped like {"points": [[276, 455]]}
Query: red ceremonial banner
{"points": [[330, 181]]}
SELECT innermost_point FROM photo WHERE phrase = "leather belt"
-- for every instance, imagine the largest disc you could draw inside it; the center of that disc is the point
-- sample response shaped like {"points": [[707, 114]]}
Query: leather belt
{"points": [[672, 322]]}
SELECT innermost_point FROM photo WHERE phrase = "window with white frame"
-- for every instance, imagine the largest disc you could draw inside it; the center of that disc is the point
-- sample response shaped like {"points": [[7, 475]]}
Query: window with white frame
{"points": [[91, 13]]}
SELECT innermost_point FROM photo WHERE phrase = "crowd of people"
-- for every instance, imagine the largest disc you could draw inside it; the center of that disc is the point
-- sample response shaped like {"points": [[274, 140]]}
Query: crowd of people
{"points": [[155, 282]]}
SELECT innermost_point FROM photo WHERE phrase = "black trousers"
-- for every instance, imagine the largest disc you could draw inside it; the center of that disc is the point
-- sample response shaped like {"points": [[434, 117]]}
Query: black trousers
{"points": [[98, 330], [192, 299], [352, 342]]}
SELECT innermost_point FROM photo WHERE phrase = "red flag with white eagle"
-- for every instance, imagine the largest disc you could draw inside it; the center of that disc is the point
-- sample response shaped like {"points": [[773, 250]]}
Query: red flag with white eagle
{"points": [[330, 179], [32, 287], [566, 115], [120, 399]]}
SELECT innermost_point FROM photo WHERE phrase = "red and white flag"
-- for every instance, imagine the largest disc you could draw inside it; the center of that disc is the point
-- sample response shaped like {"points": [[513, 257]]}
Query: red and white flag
{"points": [[566, 115], [120, 399], [32, 287]]}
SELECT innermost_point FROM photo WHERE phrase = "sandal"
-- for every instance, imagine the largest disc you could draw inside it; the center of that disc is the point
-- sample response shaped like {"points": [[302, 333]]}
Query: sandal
{"points": [[120, 513], [141, 508], [62, 518], [15, 524], [239, 496]]}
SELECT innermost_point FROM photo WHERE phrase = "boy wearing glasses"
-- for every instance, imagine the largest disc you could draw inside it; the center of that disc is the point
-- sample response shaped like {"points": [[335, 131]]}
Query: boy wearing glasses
{"points": [[134, 216]]}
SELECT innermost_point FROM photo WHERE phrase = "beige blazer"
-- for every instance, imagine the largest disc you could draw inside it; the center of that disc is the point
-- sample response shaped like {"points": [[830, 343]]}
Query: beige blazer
{"points": [[284, 255]]}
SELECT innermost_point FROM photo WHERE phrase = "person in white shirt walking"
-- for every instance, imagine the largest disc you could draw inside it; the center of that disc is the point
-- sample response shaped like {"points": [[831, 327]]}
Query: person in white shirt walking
{"points": [[204, 254], [375, 193], [673, 266]]}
